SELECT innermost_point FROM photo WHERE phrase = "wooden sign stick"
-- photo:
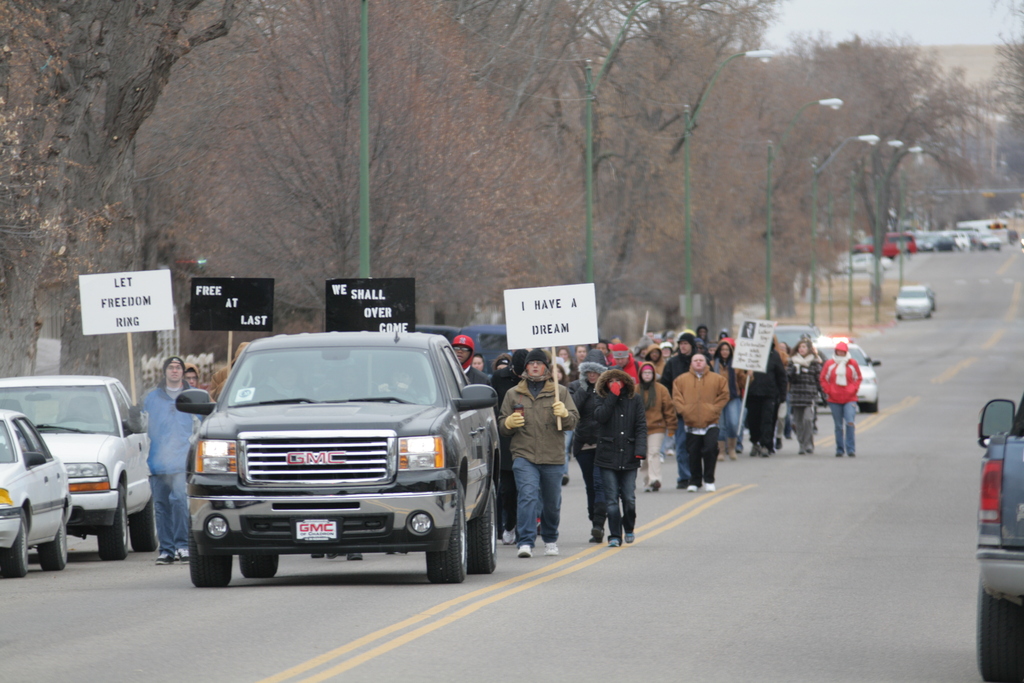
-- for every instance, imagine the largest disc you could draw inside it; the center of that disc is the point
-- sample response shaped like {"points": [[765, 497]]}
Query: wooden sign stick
{"points": [[553, 364]]}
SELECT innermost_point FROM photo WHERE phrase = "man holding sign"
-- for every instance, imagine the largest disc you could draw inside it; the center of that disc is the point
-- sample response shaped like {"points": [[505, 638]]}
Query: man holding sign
{"points": [[535, 414]]}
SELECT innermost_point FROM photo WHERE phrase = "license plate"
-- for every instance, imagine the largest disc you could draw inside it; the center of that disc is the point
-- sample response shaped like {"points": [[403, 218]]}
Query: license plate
{"points": [[316, 530]]}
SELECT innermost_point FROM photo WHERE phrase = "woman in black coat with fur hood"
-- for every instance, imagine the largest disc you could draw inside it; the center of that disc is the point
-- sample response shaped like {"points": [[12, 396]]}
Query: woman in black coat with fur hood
{"points": [[621, 446]]}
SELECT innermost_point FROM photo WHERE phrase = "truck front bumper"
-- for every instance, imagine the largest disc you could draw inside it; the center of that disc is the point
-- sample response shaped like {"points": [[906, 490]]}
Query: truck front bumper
{"points": [[365, 522], [1002, 571]]}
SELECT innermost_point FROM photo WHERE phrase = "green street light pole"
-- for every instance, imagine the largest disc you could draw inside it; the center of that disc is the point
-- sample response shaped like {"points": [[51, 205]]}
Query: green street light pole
{"points": [[364, 141], [899, 223], [853, 208], [833, 103]]}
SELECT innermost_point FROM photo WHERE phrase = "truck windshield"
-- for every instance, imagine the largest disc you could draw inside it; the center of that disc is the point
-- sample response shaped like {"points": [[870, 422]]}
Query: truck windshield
{"points": [[64, 409], [333, 375]]}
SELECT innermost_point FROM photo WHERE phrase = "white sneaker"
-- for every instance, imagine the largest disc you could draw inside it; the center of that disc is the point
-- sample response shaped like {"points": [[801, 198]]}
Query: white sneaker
{"points": [[550, 548], [691, 488], [181, 555], [709, 487], [508, 537], [525, 551]]}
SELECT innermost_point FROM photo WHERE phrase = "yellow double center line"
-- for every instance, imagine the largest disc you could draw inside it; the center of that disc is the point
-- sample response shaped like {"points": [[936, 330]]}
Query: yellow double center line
{"points": [[491, 594], [1014, 300], [872, 421], [952, 371]]}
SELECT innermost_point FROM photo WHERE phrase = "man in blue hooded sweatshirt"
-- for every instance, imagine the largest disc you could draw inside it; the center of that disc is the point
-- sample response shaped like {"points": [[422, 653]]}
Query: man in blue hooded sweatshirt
{"points": [[169, 435]]}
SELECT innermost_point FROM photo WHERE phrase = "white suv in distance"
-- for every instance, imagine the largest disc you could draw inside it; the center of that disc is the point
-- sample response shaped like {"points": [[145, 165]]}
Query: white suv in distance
{"points": [[89, 424]]}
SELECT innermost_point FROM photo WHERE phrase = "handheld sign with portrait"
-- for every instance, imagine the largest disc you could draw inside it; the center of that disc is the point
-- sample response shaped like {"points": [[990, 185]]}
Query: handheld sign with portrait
{"points": [[234, 304], [114, 303], [753, 345], [542, 317], [371, 305]]}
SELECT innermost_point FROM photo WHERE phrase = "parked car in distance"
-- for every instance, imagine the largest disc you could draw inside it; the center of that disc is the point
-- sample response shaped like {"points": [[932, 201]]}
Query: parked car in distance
{"points": [[927, 243], [90, 425], [865, 263], [34, 499], [791, 334], [915, 301], [867, 395], [986, 241], [894, 240]]}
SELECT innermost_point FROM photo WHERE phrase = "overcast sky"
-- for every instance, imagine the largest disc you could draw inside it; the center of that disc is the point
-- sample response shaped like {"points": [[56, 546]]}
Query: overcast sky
{"points": [[925, 22]]}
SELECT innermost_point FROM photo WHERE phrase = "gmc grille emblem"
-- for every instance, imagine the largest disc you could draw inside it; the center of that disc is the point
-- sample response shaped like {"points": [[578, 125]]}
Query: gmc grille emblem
{"points": [[317, 457]]}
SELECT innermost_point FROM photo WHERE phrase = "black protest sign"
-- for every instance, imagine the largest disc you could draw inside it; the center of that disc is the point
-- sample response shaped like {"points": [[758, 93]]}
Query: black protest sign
{"points": [[371, 305], [232, 304]]}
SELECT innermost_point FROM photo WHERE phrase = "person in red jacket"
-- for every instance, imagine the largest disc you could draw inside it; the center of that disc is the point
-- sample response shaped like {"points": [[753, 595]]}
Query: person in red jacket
{"points": [[840, 379], [624, 360]]}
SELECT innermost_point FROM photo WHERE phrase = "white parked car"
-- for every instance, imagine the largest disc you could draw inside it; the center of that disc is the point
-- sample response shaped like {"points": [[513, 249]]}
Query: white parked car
{"points": [[865, 263], [914, 301], [34, 499], [867, 395], [90, 425], [987, 241]]}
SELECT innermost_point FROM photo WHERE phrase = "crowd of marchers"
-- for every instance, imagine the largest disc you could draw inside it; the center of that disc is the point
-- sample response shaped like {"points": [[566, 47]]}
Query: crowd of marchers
{"points": [[622, 412]]}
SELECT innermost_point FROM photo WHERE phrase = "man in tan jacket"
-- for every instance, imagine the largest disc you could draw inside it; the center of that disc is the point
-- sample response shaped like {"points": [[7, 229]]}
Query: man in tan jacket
{"points": [[699, 396], [529, 415]]}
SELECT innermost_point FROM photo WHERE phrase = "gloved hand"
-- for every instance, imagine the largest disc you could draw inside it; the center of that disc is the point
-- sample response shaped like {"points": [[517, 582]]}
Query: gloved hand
{"points": [[641, 456], [615, 386], [559, 409], [514, 421]]}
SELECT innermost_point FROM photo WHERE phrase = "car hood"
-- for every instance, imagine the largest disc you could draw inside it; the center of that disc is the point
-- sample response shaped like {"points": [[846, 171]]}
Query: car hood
{"points": [[77, 447], [405, 420]]}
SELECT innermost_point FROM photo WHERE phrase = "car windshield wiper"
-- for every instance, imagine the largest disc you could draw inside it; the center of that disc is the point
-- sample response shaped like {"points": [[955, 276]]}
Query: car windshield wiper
{"points": [[277, 402], [374, 399], [62, 428]]}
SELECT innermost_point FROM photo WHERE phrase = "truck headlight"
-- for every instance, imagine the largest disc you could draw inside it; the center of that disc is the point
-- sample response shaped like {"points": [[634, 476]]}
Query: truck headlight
{"points": [[87, 476], [420, 453], [216, 457]]}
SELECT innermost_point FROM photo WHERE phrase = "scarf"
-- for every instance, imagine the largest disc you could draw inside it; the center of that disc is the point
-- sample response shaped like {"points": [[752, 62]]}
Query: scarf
{"points": [[650, 394], [840, 369], [804, 361]]}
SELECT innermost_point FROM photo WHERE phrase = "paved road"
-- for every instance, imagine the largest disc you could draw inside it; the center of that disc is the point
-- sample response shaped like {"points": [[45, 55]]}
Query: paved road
{"points": [[798, 569]]}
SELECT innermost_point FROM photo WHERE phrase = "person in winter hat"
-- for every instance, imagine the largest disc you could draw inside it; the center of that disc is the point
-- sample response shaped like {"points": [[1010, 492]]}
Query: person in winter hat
{"points": [[840, 379], [584, 443], [621, 445], [624, 360], [504, 379], [170, 432], [676, 366], [535, 413], [654, 355], [661, 420], [699, 397], [803, 370], [464, 350]]}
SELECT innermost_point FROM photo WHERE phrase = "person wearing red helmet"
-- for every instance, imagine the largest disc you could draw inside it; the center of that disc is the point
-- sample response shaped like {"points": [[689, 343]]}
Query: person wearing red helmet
{"points": [[464, 348], [840, 380]]}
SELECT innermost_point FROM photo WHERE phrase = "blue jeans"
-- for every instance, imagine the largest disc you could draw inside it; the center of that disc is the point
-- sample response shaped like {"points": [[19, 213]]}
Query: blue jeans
{"points": [[620, 484], [170, 501], [568, 451], [540, 495], [729, 420], [682, 456], [844, 413]]}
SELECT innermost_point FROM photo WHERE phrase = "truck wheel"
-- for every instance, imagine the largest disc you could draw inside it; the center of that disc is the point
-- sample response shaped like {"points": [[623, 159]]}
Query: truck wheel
{"points": [[14, 560], [208, 571], [449, 565], [53, 556], [483, 538], [1000, 638], [113, 540], [142, 529], [258, 566]]}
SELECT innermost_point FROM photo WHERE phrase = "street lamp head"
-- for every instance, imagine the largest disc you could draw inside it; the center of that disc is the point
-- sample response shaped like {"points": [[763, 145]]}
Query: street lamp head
{"points": [[833, 102], [870, 139], [896, 144], [916, 149], [763, 55]]}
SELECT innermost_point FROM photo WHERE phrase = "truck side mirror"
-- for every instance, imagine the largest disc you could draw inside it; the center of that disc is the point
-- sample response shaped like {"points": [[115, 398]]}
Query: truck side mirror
{"points": [[996, 418], [476, 396], [135, 421], [194, 402]]}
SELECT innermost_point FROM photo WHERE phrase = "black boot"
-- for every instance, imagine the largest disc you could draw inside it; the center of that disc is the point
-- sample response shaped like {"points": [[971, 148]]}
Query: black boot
{"points": [[597, 532]]}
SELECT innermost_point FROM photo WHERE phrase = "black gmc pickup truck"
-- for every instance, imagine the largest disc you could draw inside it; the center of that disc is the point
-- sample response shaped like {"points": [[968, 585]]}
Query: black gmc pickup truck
{"points": [[343, 442]]}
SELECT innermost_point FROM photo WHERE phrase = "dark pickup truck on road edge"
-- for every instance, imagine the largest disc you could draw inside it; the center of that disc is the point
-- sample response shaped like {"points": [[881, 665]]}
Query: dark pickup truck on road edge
{"points": [[1001, 543], [343, 442]]}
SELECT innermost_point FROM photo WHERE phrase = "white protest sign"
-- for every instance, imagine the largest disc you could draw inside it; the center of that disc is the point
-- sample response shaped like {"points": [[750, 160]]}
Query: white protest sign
{"points": [[753, 345], [542, 317], [137, 301]]}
